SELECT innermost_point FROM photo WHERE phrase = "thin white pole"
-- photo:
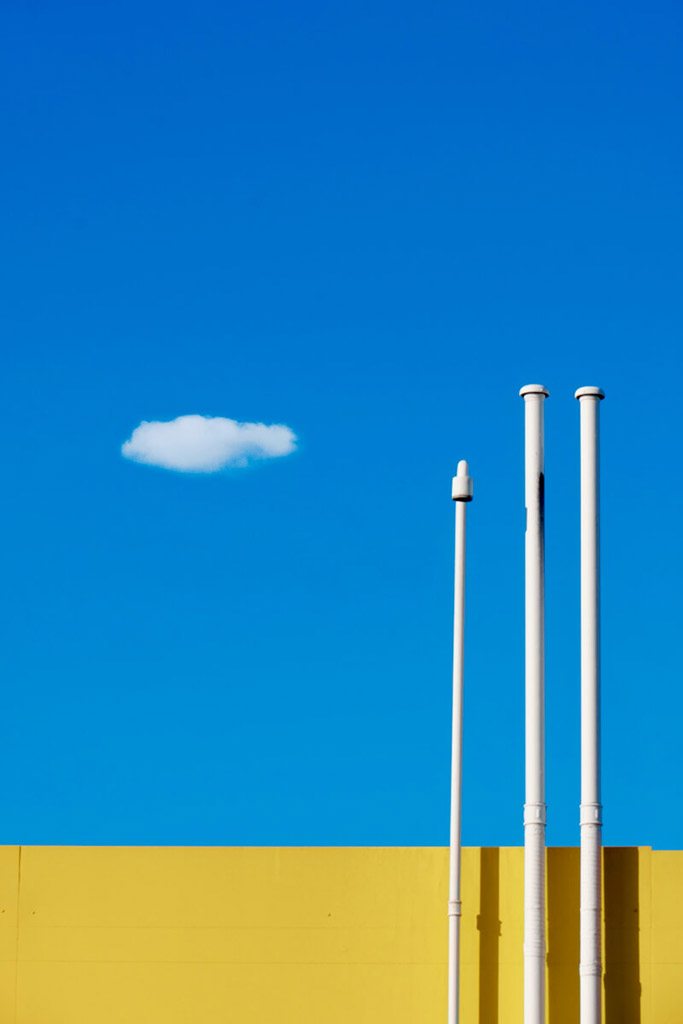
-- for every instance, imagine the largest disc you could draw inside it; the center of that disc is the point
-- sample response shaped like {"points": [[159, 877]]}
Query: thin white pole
{"points": [[534, 807], [591, 810], [462, 493]]}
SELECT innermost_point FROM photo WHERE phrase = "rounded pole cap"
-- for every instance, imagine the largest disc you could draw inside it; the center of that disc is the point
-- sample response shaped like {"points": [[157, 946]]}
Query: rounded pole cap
{"points": [[590, 392], [462, 483], [534, 389]]}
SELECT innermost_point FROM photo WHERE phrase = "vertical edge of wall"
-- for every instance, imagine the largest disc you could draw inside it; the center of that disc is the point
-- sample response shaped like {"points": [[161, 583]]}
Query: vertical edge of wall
{"points": [[10, 868], [645, 856]]}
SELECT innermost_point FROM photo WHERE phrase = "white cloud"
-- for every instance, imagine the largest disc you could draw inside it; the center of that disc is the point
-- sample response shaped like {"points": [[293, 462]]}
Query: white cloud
{"points": [[206, 444]]}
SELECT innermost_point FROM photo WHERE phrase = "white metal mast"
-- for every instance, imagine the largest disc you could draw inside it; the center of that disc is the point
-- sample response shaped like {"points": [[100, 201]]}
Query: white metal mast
{"points": [[462, 493], [591, 809], [534, 807]]}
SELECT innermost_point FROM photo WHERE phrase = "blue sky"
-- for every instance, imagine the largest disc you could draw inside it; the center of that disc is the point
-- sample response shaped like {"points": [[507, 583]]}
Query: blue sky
{"points": [[373, 223]]}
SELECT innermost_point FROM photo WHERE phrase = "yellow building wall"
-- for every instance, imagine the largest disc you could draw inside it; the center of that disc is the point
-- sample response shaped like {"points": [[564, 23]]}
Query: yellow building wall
{"points": [[96, 935]]}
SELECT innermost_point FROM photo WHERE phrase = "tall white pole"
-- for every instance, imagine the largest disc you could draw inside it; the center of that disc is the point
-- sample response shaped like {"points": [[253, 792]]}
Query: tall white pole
{"points": [[534, 807], [591, 809], [462, 493]]}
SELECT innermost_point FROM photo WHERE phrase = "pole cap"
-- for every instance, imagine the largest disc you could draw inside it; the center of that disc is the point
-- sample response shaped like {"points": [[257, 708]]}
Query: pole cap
{"points": [[462, 483], [589, 393], [534, 389]]}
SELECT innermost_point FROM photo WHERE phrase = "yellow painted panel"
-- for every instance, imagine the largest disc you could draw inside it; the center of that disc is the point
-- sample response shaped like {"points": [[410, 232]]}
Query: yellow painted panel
{"points": [[305, 936], [250, 935], [9, 893], [9, 902], [667, 937], [211, 993], [667, 993]]}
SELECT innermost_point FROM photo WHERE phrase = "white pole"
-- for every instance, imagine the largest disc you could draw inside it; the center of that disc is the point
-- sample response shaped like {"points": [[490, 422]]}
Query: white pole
{"points": [[591, 817], [462, 493], [534, 808]]}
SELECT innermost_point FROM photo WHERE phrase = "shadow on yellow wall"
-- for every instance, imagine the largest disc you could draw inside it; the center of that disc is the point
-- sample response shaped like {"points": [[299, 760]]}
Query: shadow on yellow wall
{"points": [[621, 936], [319, 935], [489, 925], [623, 987]]}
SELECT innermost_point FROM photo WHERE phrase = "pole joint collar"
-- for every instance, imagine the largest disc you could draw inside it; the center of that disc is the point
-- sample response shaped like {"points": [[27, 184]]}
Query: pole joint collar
{"points": [[534, 814], [455, 908], [591, 814]]}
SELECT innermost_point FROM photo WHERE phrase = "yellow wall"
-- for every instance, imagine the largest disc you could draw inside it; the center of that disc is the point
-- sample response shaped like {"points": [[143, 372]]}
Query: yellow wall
{"points": [[318, 936]]}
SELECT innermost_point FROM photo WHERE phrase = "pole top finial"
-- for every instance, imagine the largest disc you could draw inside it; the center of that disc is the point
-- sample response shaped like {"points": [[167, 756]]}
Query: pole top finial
{"points": [[462, 483], [533, 389], [589, 392]]}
